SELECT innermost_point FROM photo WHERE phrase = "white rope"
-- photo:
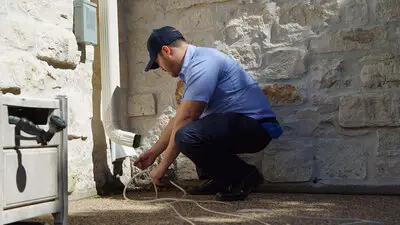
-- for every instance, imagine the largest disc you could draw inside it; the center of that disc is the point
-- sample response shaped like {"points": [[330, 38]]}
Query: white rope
{"points": [[182, 199], [180, 215], [170, 201]]}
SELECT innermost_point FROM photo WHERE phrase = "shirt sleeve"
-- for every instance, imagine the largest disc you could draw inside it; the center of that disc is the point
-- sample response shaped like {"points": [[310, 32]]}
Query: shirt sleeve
{"points": [[201, 81]]}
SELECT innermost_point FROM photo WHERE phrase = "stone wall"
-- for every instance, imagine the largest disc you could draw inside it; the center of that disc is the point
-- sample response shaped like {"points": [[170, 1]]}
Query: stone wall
{"points": [[39, 58], [331, 69]]}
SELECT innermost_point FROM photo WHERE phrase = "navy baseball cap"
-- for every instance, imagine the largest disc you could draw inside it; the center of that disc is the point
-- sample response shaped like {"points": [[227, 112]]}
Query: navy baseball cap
{"points": [[158, 38]]}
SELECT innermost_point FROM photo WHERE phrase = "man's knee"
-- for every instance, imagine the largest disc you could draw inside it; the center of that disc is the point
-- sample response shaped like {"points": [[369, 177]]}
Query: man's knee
{"points": [[187, 137]]}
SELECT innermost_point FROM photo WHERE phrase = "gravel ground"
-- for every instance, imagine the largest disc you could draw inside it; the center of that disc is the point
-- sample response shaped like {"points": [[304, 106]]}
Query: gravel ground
{"points": [[278, 209]]}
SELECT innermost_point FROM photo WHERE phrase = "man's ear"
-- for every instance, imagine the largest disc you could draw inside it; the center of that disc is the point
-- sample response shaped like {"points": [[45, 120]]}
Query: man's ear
{"points": [[166, 51]]}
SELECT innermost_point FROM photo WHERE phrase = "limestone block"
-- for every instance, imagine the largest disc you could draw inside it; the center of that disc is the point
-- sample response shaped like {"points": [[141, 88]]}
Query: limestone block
{"points": [[283, 64], [194, 19], [248, 55], [381, 73], [151, 18], [78, 79], [394, 37], [370, 109], [342, 158], [326, 74], [270, 12], [72, 179], [354, 13], [288, 160], [234, 32], [387, 10], [142, 105], [279, 94], [324, 102], [18, 32], [21, 69], [184, 4], [154, 81], [185, 168], [299, 128], [155, 131], [307, 12], [204, 39], [307, 114], [350, 132], [388, 142], [244, 38], [349, 40], [291, 33], [3, 7], [372, 77], [57, 12], [164, 100], [85, 184], [255, 26], [57, 47], [249, 27], [328, 127], [388, 167]]}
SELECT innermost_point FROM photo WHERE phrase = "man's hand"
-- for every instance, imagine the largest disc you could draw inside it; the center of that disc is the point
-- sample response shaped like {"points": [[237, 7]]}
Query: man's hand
{"points": [[157, 173], [145, 160]]}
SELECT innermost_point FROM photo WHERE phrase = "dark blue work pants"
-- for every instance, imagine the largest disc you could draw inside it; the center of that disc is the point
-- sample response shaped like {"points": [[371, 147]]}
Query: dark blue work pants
{"points": [[212, 143]]}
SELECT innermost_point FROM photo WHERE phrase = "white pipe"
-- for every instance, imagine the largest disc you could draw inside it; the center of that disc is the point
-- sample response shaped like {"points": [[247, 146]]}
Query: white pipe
{"points": [[110, 80]]}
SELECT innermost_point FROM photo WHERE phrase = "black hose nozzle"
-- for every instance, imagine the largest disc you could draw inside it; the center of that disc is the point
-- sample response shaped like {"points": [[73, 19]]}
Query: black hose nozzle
{"points": [[26, 125], [56, 124]]}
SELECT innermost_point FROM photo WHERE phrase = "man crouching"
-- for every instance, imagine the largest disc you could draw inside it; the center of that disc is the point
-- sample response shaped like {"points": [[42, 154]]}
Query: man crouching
{"points": [[223, 113]]}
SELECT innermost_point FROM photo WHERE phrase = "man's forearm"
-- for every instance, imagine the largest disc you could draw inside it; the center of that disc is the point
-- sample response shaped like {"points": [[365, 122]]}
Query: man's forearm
{"points": [[172, 152], [162, 143], [187, 112]]}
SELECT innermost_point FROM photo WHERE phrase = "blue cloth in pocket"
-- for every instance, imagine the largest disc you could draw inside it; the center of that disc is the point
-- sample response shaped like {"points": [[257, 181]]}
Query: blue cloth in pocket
{"points": [[274, 129]]}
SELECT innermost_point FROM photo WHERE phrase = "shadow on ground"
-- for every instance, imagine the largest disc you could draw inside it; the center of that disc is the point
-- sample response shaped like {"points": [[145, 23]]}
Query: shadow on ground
{"points": [[274, 209]]}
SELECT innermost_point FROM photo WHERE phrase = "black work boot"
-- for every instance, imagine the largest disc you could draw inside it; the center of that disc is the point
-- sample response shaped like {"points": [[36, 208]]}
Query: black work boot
{"points": [[241, 189], [210, 187]]}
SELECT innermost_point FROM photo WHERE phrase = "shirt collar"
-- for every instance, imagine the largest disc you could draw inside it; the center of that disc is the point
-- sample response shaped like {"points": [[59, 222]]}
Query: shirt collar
{"points": [[188, 56]]}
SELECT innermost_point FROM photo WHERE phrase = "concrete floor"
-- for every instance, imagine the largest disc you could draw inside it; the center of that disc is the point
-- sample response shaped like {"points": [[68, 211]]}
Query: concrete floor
{"points": [[279, 209]]}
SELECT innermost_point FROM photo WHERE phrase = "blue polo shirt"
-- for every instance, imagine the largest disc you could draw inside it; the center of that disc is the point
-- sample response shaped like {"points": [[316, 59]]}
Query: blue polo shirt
{"points": [[212, 77]]}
